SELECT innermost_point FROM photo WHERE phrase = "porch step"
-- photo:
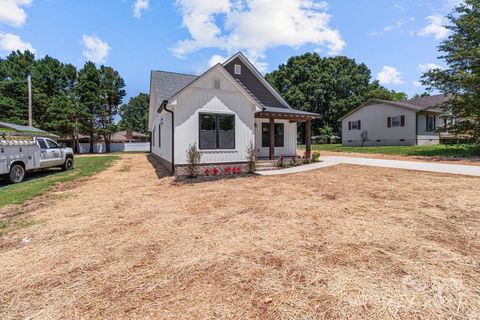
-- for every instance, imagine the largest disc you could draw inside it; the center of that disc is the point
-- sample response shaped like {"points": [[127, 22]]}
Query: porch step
{"points": [[265, 165], [267, 168]]}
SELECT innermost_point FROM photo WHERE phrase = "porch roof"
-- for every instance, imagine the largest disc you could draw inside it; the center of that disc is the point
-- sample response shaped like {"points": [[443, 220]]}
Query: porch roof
{"points": [[284, 113]]}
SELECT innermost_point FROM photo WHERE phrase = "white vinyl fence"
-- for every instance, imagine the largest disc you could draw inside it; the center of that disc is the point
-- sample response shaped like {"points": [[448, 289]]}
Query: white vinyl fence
{"points": [[99, 147]]}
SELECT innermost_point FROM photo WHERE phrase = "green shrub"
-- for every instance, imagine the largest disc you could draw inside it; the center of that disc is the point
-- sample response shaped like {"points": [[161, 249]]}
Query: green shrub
{"points": [[193, 159], [252, 158]]}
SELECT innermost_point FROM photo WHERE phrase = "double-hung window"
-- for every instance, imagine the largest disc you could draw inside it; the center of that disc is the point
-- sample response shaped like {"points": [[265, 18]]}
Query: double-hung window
{"points": [[431, 125], [279, 135], [217, 131]]}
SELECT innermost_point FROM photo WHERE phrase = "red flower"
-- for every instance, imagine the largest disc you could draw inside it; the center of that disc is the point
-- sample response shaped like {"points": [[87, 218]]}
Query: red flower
{"points": [[237, 170], [227, 170], [215, 171], [207, 171]]}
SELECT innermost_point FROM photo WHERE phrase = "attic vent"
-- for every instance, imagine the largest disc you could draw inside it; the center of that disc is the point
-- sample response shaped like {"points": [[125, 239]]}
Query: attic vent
{"points": [[238, 69], [216, 84]]}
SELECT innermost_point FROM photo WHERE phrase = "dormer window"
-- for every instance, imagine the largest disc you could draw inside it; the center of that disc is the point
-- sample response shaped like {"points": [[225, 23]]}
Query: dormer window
{"points": [[216, 84], [238, 69]]}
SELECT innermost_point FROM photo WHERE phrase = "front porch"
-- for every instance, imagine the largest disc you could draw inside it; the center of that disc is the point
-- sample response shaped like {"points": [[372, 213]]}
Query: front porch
{"points": [[276, 132]]}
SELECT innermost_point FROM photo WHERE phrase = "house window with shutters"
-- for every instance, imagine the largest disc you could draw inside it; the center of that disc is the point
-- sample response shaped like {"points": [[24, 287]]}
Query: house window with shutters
{"points": [[354, 125], [397, 121]]}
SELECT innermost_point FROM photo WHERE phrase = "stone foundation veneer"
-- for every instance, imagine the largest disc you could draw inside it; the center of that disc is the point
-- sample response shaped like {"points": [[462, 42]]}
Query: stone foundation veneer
{"points": [[181, 169]]}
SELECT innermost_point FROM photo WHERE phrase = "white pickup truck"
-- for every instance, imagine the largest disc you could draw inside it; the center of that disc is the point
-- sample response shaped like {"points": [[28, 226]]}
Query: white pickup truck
{"points": [[19, 155]]}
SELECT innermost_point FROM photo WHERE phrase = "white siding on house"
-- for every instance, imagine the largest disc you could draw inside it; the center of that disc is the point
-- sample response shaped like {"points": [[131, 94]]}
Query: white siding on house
{"points": [[374, 123], [201, 97], [163, 122], [290, 142]]}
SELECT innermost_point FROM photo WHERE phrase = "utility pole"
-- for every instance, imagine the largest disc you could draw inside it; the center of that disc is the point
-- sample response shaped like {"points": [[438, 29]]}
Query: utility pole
{"points": [[30, 120]]}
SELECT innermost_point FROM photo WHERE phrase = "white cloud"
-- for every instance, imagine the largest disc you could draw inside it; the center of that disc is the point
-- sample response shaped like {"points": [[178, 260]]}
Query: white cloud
{"points": [[389, 75], [256, 26], [11, 42], [427, 67], [95, 49], [12, 12], [398, 24], [215, 59], [436, 27], [417, 84], [139, 6]]}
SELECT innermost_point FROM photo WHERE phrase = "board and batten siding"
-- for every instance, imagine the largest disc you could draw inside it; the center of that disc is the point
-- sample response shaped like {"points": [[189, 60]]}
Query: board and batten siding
{"points": [[373, 120], [163, 149], [201, 97], [290, 139]]}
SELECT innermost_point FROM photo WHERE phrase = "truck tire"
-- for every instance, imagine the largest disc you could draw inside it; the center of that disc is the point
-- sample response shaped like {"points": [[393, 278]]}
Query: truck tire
{"points": [[68, 165], [17, 173]]}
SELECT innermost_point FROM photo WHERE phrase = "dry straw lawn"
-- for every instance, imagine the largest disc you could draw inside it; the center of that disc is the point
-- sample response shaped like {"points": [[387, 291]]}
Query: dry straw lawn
{"points": [[343, 242]]}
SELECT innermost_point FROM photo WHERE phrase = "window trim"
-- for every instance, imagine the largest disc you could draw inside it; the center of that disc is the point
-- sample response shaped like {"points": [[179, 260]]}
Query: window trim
{"points": [[217, 130], [267, 124]]}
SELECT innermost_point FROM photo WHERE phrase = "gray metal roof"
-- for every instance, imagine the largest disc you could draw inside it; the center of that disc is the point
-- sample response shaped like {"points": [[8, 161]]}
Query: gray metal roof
{"points": [[290, 112], [167, 84], [18, 127]]}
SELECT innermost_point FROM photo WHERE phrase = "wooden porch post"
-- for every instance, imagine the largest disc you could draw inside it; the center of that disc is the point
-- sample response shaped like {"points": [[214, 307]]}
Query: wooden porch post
{"points": [[308, 138], [272, 139]]}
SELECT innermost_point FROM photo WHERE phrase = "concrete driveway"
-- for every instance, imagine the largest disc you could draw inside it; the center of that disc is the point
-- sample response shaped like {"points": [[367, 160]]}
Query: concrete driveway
{"points": [[398, 164]]}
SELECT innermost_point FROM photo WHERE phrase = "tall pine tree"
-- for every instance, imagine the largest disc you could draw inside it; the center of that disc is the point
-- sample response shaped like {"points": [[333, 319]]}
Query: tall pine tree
{"points": [[462, 77]]}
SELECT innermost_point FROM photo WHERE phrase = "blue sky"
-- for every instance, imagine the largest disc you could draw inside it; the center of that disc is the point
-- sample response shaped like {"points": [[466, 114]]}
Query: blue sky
{"points": [[396, 39]]}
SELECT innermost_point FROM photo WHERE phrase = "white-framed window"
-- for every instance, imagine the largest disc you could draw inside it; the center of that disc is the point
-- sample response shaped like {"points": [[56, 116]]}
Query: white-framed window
{"points": [[238, 69], [216, 84], [396, 121], [354, 125]]}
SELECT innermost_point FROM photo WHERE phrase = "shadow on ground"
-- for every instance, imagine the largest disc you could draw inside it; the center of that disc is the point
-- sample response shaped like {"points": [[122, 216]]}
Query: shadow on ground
{"points": [[30, 176]]}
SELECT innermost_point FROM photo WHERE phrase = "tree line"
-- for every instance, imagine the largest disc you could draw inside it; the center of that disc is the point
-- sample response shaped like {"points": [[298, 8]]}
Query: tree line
{"points": [[67, 101], [333, 86], [330, 86]]}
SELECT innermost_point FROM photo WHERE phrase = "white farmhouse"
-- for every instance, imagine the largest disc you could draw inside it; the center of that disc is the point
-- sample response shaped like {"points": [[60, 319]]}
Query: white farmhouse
{"points": [[222, 111], [387, 123]]}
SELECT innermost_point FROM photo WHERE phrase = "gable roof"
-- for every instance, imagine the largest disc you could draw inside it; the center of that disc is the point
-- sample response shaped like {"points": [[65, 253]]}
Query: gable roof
{"points": [[166, 84], [266, 101], [429, 103]]}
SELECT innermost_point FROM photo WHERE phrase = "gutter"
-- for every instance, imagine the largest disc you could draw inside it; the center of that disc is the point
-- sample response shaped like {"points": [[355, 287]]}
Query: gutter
{"points": [[164, 104]]}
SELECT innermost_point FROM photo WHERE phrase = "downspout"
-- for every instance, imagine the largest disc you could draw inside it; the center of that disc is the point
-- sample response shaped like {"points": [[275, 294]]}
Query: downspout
{"points": [[173, 135]]}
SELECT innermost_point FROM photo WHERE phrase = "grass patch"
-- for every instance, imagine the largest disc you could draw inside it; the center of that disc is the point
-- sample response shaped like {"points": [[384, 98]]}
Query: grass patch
{"points": [[439, 150], [39, 183]]}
